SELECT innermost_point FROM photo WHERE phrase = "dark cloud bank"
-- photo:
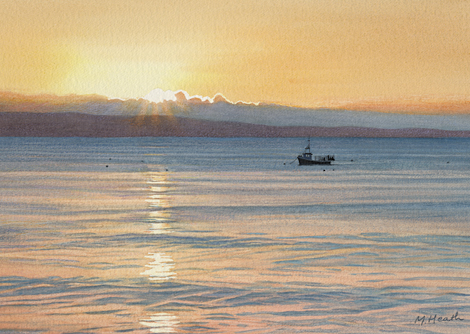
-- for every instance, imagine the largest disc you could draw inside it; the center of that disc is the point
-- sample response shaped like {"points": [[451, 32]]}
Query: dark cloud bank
{"points": [[96, 116]]}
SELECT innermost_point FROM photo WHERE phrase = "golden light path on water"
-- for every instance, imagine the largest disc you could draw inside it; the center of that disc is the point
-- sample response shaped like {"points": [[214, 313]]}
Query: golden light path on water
{"points": [[162, 265], [161, 323]]}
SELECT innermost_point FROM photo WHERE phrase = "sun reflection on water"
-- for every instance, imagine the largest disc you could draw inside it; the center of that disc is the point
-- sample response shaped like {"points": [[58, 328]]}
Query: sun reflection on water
{"points": [[160, 269], [159, 217], [161, 323], [160, 228]]}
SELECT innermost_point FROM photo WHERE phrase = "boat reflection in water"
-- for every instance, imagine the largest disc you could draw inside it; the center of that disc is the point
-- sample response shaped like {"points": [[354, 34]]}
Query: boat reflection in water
{"points": [[307, 159]]}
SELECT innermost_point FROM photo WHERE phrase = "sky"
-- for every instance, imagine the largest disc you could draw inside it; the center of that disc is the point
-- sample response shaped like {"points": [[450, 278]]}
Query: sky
{"points": [[308, 53]]}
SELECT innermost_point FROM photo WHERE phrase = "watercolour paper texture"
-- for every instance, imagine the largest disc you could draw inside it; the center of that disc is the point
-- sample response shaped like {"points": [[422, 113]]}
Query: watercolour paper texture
{"points": [[151, 171]]}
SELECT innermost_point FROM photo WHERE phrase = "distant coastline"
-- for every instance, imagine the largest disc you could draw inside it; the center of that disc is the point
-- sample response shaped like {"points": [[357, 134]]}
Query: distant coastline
{"points": [[72, 124]]}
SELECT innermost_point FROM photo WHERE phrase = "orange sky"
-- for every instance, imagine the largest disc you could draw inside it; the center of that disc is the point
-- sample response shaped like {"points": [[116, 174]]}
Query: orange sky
{"points": [[296, 52]]}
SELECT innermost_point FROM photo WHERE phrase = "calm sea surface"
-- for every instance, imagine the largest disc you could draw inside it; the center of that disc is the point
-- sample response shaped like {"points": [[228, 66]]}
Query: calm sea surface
{"points": [[199, 235]]}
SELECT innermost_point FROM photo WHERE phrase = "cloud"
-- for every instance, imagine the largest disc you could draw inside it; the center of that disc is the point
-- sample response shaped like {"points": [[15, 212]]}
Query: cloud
{"points": [[414, 105], [159, 95], [183, 99], [87, 104], [220, 98], [181, 96], [219, 108]]}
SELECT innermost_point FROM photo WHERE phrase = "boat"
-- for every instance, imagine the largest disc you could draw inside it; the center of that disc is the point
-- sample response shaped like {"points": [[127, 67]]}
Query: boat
{"points": [[307, 158]]}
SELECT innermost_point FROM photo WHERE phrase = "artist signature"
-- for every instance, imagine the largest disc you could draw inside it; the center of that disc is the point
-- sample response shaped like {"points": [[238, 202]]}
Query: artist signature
{"points": [[433, 319]]}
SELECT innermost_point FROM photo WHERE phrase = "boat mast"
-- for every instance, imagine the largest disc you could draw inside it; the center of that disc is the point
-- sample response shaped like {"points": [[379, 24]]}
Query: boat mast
{"points": [[308, 146]]}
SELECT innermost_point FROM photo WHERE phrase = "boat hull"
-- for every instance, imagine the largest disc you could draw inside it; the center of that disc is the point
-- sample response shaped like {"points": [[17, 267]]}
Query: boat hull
{"points": [[303, 161]]}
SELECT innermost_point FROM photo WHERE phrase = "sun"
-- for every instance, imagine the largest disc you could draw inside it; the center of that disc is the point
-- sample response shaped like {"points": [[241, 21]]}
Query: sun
{"points": [[159, 95]]}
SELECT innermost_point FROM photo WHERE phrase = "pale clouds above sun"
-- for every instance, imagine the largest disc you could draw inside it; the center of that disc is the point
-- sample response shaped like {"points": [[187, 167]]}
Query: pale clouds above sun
{"points": [[305, 53], [159, 96]]}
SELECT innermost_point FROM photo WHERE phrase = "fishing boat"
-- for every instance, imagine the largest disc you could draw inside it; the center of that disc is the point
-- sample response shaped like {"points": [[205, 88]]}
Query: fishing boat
{"points": [[307, 158]]}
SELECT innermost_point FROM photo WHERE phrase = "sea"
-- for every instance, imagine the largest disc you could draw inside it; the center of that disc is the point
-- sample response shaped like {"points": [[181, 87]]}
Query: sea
{"points": [[231, 235]]}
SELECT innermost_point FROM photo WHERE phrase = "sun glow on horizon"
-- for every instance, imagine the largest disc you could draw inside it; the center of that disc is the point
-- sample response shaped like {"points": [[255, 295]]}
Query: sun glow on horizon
{"points": [[159, 95]]}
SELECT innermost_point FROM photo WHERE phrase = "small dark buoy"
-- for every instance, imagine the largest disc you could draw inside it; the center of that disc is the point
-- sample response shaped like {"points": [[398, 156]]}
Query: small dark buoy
{"points": [[323, 170], [352, 160], [447, 161], [106, 166], [109, 158], [166, 169]]}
